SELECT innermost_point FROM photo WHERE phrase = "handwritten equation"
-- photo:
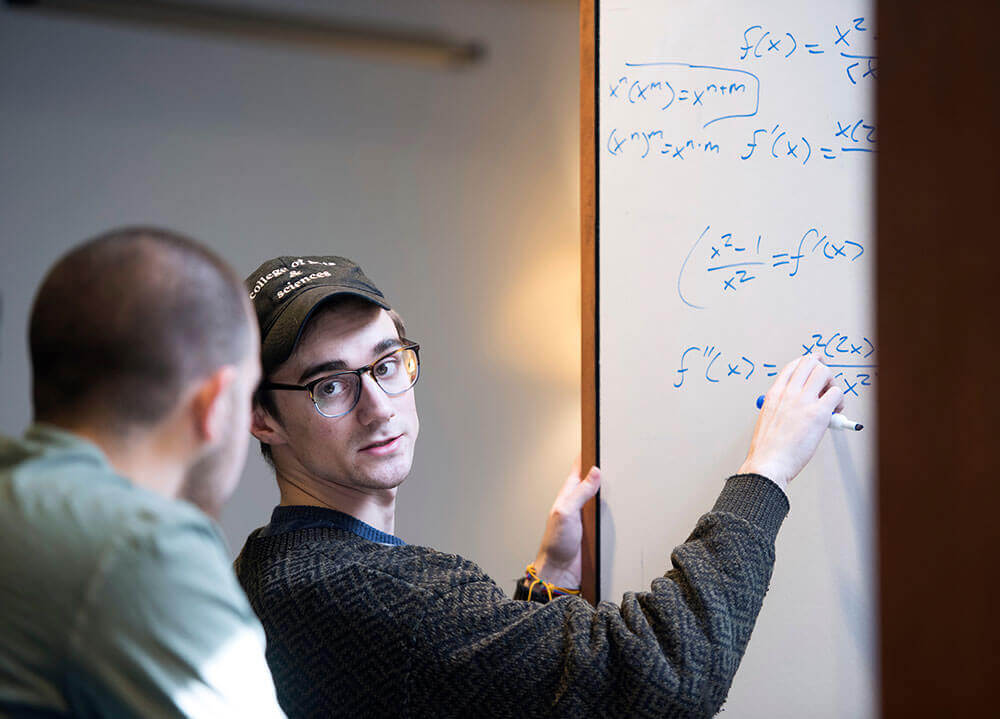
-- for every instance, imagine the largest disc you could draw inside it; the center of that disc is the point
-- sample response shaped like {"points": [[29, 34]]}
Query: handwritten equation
{"points": [[742, 262], [647, 94], [718, 93], [787, 98], [643, 142], [844, 41], [850, 357], [779, 143]]}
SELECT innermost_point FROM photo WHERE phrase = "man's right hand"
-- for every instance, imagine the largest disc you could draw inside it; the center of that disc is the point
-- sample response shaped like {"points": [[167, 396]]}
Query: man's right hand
{"points": [[795, 415]]}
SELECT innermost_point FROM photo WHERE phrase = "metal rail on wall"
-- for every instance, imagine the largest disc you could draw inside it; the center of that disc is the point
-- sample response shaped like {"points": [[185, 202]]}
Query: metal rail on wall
{"points": [[426, 47]]}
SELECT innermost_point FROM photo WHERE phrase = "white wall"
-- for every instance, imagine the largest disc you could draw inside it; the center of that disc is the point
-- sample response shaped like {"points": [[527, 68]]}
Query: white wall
{"points": [[457, 191]]}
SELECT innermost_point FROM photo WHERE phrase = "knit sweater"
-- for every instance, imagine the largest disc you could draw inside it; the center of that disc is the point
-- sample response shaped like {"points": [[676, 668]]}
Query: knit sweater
{"points": [[361, 629]]}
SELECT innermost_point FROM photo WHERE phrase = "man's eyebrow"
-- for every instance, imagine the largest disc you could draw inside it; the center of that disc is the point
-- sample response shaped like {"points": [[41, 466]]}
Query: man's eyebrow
{"points": [[328, 366], [336, 365], [384, 346]]}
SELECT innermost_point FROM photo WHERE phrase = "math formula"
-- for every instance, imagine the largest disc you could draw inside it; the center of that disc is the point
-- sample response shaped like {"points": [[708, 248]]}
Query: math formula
{"points": [[736, 146], [849, 357], [739, 263], [684, 111], [847, 41]]}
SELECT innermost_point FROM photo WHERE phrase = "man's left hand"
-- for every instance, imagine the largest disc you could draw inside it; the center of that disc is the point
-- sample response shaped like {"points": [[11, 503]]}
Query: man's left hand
{"points": [[559, 557]]}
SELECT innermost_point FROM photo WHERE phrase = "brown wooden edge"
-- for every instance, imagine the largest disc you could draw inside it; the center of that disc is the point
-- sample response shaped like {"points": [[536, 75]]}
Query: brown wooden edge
{"points": [[588, 286]]}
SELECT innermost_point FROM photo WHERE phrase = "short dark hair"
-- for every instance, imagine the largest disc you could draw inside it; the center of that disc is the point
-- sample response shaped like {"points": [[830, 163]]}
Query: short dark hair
{"points": [[338, 303], [123, 322]]}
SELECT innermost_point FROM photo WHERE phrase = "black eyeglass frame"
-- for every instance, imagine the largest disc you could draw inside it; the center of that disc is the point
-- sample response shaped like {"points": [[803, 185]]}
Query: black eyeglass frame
{"points": [[367, 369]]}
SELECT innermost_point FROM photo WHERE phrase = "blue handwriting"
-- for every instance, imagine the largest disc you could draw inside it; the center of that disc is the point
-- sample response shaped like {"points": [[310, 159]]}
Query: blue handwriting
{"points": [[721, 92], [760, 43], [849, 356], [854, 135], [740, 260], [646, 142]]}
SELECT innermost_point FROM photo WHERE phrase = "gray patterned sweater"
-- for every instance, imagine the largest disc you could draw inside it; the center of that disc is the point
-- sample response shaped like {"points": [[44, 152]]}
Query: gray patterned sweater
{"points": [[361, 629]]}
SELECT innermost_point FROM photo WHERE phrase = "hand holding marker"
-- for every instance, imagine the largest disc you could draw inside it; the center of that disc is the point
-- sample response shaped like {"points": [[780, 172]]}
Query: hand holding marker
{"points": [[837, 421], [793, 420]]}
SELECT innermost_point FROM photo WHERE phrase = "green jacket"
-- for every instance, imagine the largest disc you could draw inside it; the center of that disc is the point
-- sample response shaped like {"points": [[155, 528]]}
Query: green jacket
{"points": [[115, 601]]}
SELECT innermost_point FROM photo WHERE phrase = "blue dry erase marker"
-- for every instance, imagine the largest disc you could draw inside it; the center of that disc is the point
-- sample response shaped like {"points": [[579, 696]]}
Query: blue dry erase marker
{"points": [[837, 421]]}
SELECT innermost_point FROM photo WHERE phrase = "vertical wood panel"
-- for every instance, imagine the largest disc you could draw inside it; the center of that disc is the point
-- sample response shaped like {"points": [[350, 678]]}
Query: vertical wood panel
{"points": [[938, 259], [588, 284]]}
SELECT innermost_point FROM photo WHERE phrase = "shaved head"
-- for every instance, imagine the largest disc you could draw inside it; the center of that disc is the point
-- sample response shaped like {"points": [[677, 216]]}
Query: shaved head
{"points": [[124, 322]]}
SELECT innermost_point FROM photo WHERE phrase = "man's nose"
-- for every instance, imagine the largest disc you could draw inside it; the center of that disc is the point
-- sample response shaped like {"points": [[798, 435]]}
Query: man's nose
{"points": [[374, 405]]}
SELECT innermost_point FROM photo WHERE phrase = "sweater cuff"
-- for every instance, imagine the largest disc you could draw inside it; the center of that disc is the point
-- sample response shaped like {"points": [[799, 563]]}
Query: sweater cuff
{"points": [[756, 499]]}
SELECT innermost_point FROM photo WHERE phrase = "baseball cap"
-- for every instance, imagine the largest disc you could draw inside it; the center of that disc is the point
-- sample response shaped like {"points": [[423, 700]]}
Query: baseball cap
{"points": [[287, 290]]}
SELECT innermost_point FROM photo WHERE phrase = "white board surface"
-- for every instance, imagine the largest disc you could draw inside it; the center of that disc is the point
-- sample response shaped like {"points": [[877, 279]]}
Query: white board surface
{"points": [[735, 229]]}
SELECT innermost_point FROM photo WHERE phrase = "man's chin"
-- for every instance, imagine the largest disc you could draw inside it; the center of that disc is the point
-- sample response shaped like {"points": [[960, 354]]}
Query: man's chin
{"points": [[388, 473]]}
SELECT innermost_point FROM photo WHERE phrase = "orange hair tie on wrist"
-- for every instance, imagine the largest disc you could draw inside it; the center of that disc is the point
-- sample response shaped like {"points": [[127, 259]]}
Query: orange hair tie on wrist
{"points": [[549, 587]]}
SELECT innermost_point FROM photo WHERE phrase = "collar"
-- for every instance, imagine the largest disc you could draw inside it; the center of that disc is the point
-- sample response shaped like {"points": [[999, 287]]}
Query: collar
{"points": [[290, 518], [50, 436]]}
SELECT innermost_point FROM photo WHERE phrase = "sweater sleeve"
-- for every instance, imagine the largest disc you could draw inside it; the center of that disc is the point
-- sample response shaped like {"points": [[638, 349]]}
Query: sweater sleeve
{"points": [[671, 651]]}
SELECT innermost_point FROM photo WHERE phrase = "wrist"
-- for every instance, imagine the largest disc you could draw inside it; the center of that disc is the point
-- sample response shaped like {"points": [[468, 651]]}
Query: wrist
{"points": [[555, 573], [533, 588], [749, 467]]}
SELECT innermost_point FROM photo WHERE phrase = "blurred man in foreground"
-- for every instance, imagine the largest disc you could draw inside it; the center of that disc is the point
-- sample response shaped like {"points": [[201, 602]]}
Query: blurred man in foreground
{"points": [[116, 594]]}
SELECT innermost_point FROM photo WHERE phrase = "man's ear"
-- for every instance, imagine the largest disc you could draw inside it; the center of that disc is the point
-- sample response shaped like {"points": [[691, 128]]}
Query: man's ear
{"points": [[264, 427], [211, 404]]}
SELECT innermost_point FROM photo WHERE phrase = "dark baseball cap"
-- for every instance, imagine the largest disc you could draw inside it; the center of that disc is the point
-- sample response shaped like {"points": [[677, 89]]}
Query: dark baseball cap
{"points": [[287, 290]]}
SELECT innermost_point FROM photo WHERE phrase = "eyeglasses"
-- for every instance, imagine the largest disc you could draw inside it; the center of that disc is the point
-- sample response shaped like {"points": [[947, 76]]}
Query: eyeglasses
{"points": [[337, 394]]}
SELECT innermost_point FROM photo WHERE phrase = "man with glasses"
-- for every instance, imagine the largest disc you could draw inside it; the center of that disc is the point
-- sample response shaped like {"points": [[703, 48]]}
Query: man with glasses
{"points": [[361, 624]]}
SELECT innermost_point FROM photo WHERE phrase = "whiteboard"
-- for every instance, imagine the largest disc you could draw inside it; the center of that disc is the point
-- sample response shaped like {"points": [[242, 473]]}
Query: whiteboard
{"points": [[735, 146]]}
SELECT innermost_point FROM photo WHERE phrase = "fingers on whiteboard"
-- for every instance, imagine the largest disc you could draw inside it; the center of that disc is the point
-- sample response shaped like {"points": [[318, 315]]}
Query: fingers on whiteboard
{"points": [[832, 399], [780, 382], [808, 375], [831, 388], [820, 377]]}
